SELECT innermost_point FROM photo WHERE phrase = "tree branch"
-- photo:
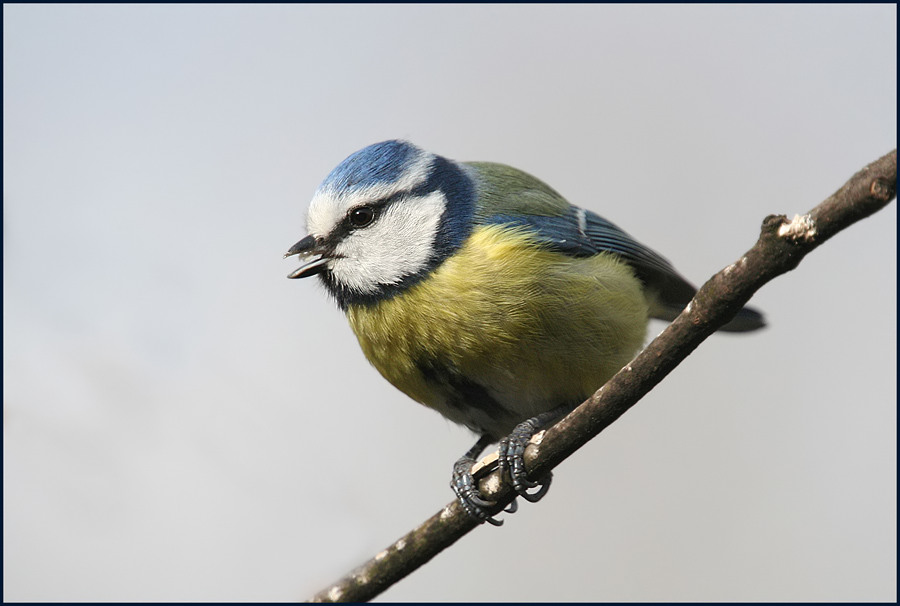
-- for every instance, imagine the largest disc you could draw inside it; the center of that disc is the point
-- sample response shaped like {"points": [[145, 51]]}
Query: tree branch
{"points": [[781, 246]]}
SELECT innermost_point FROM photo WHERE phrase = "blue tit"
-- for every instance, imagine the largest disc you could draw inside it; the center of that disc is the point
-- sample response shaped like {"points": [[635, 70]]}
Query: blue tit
{"points": [[480, 292]]}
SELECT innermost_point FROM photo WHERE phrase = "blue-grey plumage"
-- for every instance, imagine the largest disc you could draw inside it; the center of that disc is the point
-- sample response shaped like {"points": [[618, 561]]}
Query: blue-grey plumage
{"points": [[482, 293]]}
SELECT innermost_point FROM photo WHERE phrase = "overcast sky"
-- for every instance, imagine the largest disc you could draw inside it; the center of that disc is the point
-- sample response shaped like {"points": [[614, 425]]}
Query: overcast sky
{"points": [[181, 422]]}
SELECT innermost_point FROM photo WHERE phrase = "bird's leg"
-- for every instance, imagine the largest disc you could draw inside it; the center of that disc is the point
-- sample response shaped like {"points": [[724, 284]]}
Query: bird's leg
{"points": [[463, 484], [512, 451]]}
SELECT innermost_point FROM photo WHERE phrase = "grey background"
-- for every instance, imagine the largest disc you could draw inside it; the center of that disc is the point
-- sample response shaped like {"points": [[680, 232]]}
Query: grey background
{"points": [[183, 423]]}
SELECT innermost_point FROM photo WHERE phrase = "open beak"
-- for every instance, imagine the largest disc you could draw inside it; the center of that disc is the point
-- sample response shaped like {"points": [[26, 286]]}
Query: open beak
{"points": [[304, 248]]}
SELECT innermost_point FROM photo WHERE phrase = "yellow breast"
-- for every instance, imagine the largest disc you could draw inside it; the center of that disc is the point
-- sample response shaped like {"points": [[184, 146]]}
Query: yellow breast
{"points": [[505, 323]]}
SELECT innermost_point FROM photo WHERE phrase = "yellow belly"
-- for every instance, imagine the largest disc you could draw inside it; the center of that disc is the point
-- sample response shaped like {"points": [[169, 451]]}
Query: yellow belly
{"points": [[507, 323]]}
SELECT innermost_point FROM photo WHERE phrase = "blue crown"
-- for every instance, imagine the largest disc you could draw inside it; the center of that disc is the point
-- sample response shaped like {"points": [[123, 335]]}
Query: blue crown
{"points": [[378, 163]]}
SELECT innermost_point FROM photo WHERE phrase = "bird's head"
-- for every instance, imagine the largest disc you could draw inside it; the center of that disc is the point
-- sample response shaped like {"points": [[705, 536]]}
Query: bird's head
{"points": [[383, 219]]}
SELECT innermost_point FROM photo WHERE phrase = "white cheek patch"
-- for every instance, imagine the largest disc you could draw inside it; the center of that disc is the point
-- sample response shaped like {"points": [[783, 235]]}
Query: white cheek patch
{"points": [[397, 244]]}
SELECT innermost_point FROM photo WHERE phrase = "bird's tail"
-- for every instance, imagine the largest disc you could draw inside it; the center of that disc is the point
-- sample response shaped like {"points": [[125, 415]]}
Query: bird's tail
{"points": [[746, 320]]}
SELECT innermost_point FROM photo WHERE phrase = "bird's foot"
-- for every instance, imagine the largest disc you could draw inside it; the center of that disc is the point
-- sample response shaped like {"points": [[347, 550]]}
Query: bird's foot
{"points": [[471, 499], [512, 459]]}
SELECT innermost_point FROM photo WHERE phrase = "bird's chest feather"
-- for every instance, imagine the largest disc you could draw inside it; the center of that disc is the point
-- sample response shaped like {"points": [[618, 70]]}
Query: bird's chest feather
{"points": [[503, 330]]}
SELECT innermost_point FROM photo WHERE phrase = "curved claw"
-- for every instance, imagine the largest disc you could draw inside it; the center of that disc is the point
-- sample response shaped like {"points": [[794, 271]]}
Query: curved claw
{"points": [[463, 484], [534, 497]]}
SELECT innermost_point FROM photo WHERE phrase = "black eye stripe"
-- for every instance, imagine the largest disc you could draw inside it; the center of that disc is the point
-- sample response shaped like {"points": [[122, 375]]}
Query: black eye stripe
{"points": [[353, 217]]}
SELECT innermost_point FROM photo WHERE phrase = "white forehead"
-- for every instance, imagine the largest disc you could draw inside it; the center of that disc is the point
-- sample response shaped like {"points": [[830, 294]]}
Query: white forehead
{"points": [[330, 204]]}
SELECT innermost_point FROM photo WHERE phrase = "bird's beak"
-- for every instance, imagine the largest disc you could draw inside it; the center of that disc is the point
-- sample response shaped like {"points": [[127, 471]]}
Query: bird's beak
{"points": [[310, 245]]}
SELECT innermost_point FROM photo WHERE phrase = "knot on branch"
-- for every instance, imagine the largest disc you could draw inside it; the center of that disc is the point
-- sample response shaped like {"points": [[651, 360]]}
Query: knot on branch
{"points": [[883, 190]]}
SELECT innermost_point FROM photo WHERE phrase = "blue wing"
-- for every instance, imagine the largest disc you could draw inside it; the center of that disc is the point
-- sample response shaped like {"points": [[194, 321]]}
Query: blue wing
{"points": [[582, 233], [508, 196]]}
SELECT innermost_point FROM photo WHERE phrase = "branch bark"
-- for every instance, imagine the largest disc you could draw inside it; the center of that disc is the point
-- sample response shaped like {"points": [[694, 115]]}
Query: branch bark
{"points": [[781, 246]]}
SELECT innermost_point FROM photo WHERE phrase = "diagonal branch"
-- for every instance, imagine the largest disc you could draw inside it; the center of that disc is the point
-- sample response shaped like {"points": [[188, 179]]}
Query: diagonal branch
{"points": [[781, 246]]}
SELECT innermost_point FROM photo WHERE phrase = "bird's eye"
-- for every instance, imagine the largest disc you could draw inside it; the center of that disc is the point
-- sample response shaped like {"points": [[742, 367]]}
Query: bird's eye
{"points": [[361, 216]]}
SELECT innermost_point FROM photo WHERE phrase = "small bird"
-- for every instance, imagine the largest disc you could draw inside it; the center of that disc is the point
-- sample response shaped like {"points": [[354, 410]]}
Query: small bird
{"points": [[480, 292]]}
